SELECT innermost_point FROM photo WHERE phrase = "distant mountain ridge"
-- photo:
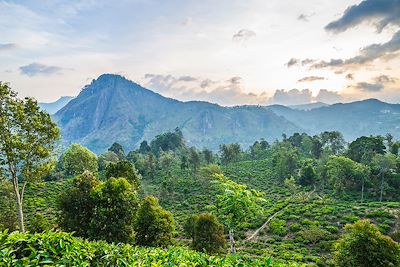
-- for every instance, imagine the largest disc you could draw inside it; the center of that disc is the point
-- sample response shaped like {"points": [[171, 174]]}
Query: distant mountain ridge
{"points": [[366, 117], [114, 109], [53, 107]]}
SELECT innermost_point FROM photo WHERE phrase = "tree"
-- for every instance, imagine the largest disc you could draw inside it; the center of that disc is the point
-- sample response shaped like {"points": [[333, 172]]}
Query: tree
{"points": [[257, 150], [384, 166], [107, 158], [166, 160], [118, 150], [332, 142], [208, 156], [102, 211], [363, 245], [27, 139], [235, 205], [230, 153], [77, 205], [115, 206], [316, 148], [77, 159], [344, 174], [194, 159], [308, 175], [154, 226], [126, 170], [8, 215], [144, 147], [285, 161], [206, 232], [364, 148]]}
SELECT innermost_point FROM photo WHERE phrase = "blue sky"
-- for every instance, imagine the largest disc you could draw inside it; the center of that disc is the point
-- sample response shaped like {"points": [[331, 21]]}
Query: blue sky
{"points": [[228, 52]]}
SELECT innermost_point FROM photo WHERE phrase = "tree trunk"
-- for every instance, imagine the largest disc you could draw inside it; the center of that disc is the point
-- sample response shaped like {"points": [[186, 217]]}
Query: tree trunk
{"points": [[18, 198], [381, 197], [232, 241], [362, 191]]}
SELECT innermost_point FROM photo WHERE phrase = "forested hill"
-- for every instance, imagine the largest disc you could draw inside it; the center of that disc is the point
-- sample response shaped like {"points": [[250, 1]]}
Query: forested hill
{"points": [[367, 117], [113, 108]]}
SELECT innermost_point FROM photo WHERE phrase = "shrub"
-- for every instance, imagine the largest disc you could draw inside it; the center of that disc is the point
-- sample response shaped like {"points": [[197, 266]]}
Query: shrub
{"points": [[206, 232], [154, 226], [278, 227], [363, 245]]}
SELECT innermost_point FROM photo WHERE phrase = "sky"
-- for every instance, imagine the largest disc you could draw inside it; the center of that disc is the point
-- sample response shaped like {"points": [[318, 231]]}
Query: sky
{"points": [[228, 52]]}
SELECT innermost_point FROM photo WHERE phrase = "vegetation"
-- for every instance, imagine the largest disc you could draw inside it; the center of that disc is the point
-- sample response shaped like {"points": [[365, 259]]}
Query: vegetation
{"points": [[364, 245], [27, 137], [286, 201]]}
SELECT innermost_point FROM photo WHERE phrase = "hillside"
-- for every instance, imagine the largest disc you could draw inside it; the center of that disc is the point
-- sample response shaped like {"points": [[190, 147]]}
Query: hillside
{"points": [[367, 117], [114, 109]]}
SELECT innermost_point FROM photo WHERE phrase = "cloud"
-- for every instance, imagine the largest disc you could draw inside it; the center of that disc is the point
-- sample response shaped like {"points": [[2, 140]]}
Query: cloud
{"points": [[311, 79], [305, 17], [227, 92], [187, 22], [382, 79], [328, 97], [383, 12], [368, 87], [350, 76], [295, 61], [243, 35], [291, 97], [34, 69], [7, 46], [388, 50]]}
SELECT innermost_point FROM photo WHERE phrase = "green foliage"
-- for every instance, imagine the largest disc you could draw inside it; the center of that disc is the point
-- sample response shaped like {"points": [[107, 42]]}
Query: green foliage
{"points": [[363, 245], [27, 139], [107, 158], [278, 227], [103, 211], [118, 150], [170, 141], [365, 147], [126, 170], [8, 215], [308, 175], [285, 160], [62, 249], [77, 205], [77, 159], [154, 226], [206, 232], [115, 205], [343, 173], [230, 153], [313, 234]]}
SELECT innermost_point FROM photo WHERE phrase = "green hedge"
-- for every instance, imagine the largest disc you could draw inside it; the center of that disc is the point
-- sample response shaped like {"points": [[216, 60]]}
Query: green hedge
{"points": [[62, 249]]}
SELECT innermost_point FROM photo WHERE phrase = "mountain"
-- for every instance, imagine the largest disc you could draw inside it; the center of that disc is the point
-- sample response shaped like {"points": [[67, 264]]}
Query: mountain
{"points": [[114, 109], [309, 106], [354, 119], [53, 107]]}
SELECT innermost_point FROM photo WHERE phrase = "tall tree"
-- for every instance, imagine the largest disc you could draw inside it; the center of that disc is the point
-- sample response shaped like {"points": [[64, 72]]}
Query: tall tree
{"points": [[126, 170], [118, 150], [208, 156], [194, 159], [230, 153], [364, 148], [77, 159], [384, 166], [236, 205], [332, 142], [27, 140]]}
